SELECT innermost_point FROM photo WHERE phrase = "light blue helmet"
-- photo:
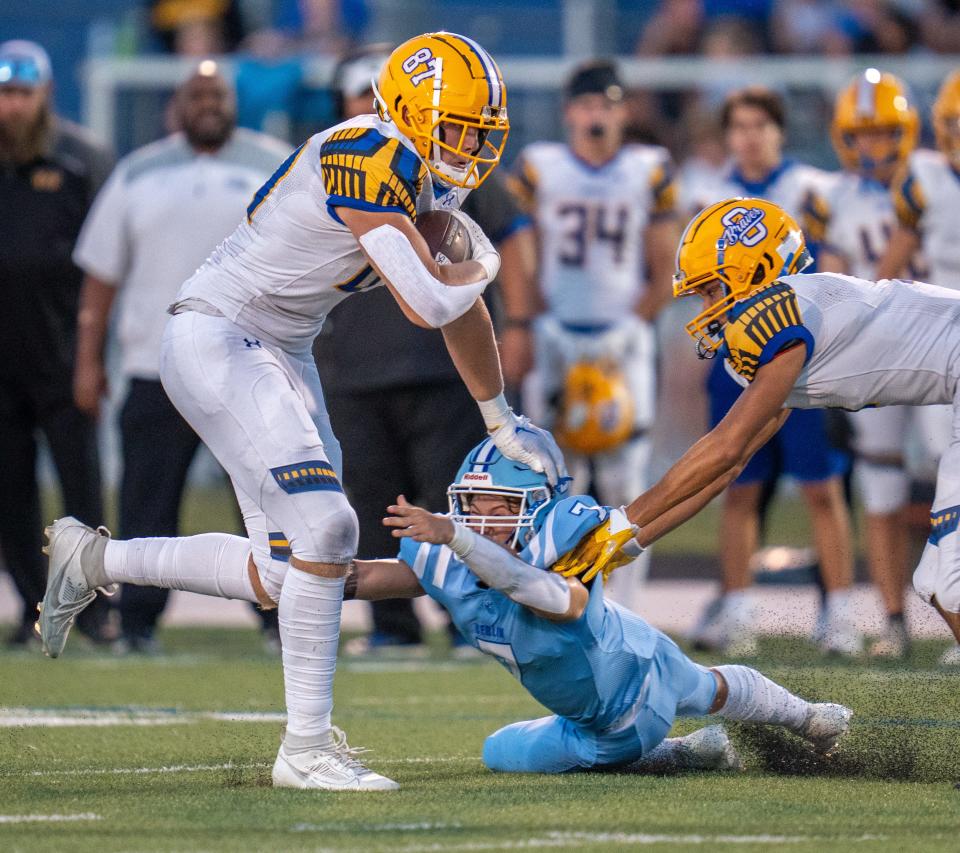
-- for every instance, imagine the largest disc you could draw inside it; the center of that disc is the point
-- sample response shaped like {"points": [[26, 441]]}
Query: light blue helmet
{"points": [[486, 471]]}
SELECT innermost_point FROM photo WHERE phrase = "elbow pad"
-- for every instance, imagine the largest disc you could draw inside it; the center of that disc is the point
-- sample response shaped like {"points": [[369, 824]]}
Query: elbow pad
{"points": [[500, 569], [437, 303]]}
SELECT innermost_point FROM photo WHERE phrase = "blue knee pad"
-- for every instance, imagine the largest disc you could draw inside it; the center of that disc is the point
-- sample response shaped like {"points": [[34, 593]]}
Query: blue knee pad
{"points": [[548, 745]]}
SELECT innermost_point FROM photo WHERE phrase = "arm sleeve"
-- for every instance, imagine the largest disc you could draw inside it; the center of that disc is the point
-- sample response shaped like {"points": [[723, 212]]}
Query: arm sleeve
{"points": [[102, 249], [908, 200], [521, 582], [367, 171], [767, 325]]}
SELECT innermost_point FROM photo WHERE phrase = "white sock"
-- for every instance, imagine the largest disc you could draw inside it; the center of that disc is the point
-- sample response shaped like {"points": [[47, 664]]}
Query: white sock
{"points": [[754, 698], [211, 564], [838, 602], [309, 617], [669, 755]]}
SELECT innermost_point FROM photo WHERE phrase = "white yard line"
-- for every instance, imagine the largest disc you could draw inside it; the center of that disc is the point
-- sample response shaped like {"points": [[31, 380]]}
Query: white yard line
{"points": [[47, 818]]}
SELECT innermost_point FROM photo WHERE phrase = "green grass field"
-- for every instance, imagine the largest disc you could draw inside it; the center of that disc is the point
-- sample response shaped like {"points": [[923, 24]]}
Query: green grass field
{"points": [[159, 772]]}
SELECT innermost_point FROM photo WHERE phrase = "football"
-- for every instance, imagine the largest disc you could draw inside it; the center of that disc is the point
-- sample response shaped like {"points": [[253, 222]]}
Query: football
{"points": [[447, 238]]}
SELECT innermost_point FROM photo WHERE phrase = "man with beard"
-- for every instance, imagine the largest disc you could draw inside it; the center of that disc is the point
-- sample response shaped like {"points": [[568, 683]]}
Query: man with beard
{"points": [[50, 171], [164, 209]]}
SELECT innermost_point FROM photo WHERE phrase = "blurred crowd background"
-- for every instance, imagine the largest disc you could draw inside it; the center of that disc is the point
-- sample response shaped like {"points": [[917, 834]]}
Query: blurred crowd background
{"points": [[116, 63]]}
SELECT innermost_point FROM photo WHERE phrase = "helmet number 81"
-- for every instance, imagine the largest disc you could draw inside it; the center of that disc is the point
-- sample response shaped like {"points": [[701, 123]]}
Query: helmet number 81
{"points": [[424, 56]]}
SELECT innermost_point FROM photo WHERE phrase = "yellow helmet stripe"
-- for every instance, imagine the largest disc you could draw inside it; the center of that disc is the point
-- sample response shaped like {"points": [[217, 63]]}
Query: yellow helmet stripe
{"points": [[867, 93], [490, 70], [469, 55]]}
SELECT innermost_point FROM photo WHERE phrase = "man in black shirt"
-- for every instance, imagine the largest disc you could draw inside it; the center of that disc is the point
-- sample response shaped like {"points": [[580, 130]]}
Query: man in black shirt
{"points": [[402, 415], [49, 173]]}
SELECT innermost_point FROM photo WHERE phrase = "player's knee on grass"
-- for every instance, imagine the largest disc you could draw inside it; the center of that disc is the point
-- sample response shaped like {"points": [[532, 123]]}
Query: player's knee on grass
{"points": [[547, 745]]}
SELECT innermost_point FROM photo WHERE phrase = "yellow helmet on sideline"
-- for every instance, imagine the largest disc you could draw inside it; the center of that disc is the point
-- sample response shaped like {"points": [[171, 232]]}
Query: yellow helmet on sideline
{"points": [[444, 79], [746, 244], [596, 408], [946, 118], [874, 101]]}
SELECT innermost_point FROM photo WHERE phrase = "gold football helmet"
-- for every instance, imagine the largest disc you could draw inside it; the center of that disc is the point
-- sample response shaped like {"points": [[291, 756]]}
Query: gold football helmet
{"points": [[744, 243], [596, 408], [874, 101], [946, 118], [439, 81]]}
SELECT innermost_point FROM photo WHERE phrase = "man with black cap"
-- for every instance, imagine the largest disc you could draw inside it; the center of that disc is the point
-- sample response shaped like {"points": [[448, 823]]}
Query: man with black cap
{"points": [[402, 415], [50, 171], [606, 223]]}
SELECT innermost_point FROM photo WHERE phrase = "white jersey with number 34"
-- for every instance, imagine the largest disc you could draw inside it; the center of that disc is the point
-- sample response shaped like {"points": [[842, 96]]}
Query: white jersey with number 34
{"points": [[591, 222]]}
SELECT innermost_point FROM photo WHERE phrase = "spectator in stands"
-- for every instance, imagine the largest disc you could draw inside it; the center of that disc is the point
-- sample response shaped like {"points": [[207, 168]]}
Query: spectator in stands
{"points": [[939, 24], [403, 416], [50, 171], [200, 28], [163, 210]]}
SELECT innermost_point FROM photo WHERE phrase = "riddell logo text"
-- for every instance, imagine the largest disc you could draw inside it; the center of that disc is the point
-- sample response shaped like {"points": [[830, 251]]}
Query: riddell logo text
{"points": [[484, 478]]}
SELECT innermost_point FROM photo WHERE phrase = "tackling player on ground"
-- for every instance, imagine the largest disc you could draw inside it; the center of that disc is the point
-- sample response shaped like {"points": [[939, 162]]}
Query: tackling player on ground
{"points": [[802, 341], [335, 219], [613, 683]]}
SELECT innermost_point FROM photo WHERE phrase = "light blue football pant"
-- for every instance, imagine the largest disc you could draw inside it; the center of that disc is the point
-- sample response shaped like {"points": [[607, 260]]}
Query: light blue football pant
{"points": [[677, 687]]}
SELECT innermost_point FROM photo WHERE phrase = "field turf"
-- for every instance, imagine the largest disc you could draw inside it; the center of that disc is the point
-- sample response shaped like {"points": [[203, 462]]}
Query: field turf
{"points": [[160, 772]]}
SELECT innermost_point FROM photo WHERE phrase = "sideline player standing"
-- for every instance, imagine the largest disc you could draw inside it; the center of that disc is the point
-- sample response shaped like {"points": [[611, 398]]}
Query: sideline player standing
{"points": [[926, 195], [802, 341], [164, 209], [336, 217], [753, 122], [604, 213], [875, 128]]}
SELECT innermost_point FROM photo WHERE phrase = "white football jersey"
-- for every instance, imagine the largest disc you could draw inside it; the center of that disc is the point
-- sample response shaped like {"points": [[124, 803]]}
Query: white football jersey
{"points": [[591, 223], [868, 343], [790, 185], [291, 260], [927, 199]]}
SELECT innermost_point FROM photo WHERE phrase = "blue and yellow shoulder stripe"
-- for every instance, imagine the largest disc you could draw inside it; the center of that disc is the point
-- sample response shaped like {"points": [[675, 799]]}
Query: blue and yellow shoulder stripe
{"points": [[762, 326], [366, 170]]}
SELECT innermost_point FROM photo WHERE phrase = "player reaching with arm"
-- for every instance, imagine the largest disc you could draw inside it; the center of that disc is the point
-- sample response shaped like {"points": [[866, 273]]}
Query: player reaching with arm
{"points": [[613, 683], [802, 341], [336, 218]]}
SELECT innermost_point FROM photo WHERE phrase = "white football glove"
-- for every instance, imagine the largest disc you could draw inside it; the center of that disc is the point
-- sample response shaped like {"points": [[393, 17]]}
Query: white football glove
{"points": [[482, 250], [517, 438]]}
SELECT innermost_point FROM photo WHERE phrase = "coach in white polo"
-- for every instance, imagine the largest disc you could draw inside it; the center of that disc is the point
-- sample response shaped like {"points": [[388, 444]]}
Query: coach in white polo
{"points": [[163, 210]]}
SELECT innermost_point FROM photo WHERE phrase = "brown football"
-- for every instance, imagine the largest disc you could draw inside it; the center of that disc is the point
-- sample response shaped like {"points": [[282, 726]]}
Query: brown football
{"points": [[447, 238]]}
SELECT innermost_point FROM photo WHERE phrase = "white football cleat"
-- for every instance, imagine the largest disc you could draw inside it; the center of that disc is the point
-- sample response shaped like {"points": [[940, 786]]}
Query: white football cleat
{"points": [[710, 749], [331, 767], [951, 657], [825, 725], [74, 575]]}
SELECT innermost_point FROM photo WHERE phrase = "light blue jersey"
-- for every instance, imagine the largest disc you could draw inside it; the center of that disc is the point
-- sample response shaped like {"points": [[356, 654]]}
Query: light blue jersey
{"points": [[591, 671]]}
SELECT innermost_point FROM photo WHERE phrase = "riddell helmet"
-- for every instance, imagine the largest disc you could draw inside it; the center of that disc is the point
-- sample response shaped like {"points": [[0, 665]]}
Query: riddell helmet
{"points": [[486, 471], [946, 118], [443, 78], [596, 408], [746, 244], [874, 101]]}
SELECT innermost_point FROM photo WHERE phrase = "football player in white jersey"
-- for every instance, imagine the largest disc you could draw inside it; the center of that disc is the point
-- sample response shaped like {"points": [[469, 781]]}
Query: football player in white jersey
{"points": [[801, 341], [606, 226], [753, 121], [336, 218], [926, 195], [875, 126]]}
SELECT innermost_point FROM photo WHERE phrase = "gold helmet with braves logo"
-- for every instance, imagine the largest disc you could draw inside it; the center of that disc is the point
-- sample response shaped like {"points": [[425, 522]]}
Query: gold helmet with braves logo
{"points": [[744, 243], [596, 408], [872, 102], [445, 93], [946, 118]]}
